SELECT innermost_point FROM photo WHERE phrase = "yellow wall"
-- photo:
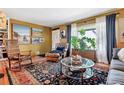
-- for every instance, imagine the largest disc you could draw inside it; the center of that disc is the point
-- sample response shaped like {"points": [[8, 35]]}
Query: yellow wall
{"points": [[120, 29], [35, 48], [63, 27]]}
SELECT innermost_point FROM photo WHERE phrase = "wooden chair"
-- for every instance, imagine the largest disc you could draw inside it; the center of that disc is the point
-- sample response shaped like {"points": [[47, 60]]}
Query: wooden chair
{"points": [[14, 54]]}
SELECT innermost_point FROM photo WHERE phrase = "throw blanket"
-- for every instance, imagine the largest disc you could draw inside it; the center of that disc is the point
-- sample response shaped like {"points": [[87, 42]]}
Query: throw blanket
{"points": [[56, 51]]}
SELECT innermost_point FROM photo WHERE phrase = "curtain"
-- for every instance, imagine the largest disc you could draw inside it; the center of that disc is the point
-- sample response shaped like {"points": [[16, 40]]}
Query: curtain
{"points": [[55, 38], [101, 47], [69, 39], [74, 32], [111, 37]]}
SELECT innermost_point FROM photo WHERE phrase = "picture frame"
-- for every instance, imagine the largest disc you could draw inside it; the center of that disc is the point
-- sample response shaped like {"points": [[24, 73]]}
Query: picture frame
{"points": [[36, 32], [62, 34], [21, 33], [37, 40], [24, 39]]}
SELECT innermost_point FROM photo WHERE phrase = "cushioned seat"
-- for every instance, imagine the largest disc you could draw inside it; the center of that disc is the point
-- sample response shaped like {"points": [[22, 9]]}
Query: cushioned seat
{"points": [[59, 52], [116, 71], [115, 77], [117, 65], [53, 57]]}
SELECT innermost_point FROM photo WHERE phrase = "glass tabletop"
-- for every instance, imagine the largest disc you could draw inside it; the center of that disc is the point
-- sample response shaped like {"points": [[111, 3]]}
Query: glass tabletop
{"points": [[84, 63], [80, 71]]}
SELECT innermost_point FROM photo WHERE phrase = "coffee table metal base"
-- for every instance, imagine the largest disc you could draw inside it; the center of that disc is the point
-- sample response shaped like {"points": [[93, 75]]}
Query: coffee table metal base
{"points": [[79, 74]]}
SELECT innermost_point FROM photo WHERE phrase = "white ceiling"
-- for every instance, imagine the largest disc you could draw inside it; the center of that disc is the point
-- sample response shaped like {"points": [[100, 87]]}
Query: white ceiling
{"points": [[51, 16]]}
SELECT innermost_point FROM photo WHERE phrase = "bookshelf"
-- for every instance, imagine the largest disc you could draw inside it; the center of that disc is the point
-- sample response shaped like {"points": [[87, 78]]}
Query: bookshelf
{"points": [[3, 38]]}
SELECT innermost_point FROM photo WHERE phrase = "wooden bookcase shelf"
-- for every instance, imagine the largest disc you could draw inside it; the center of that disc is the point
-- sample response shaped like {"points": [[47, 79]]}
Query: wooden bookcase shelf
{"points": [[3, 38]]}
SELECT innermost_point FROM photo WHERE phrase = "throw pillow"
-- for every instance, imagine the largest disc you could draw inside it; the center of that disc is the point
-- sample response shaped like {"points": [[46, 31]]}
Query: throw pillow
{"points": [[121, 54], [55, 51], [60, 48], [115, 53]]}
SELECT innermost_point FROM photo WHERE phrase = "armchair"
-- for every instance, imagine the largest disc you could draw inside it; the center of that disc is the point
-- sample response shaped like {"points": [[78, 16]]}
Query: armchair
{"points": [[65, 45], [14, 54], [58, 53]]}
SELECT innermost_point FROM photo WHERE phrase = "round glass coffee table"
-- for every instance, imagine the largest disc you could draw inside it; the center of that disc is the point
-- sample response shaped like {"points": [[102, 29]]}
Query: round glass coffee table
{"points": [[82, 71]]}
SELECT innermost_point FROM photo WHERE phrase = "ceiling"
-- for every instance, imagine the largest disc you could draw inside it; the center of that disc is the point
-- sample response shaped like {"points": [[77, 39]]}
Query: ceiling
{"points": [[51, 16]]}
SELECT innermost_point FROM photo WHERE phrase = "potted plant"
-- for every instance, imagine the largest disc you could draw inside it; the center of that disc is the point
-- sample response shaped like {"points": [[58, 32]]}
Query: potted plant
{"points": [[83, 43]]}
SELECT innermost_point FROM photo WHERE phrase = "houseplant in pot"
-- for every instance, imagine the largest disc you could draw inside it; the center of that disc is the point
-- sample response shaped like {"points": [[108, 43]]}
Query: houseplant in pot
{"points": [[82, 42]]}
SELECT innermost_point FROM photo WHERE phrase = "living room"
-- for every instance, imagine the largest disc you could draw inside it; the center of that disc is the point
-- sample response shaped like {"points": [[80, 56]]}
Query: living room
{"points": [[83, 47]]}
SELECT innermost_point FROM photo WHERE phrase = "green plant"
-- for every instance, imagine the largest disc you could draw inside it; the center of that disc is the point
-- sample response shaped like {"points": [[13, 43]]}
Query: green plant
{"points": [[75, 42], [84, 42]]}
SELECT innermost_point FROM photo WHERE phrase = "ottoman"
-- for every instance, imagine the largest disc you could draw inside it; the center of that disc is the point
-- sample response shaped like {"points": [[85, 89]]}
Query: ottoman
{"points": [[54, 57]]}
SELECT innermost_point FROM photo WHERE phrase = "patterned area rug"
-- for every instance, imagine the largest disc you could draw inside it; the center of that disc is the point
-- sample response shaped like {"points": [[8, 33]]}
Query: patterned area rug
{"points": [[48, 73], [23, 77]]}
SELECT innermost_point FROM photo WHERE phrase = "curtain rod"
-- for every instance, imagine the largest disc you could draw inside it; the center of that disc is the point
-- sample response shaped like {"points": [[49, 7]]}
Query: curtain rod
{"points": [[112, 13], [92, 18]]}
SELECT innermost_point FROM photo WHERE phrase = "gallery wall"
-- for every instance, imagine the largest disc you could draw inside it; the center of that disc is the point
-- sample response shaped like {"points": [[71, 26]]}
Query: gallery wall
{"points": [[36, 49]]}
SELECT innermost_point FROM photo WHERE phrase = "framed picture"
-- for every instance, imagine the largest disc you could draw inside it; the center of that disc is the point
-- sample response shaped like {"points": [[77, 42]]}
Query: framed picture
{"points": [[63, 34], [36, 32], [37, 40], [21, 33], [24, 39]]}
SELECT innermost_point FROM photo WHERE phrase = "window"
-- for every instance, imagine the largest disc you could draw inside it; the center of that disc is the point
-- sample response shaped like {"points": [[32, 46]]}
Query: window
{"points": [[84, 38], [90, 41]]}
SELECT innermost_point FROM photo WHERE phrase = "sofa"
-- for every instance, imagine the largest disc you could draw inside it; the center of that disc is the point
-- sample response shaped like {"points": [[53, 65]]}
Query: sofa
{"points": [[116, 70]]}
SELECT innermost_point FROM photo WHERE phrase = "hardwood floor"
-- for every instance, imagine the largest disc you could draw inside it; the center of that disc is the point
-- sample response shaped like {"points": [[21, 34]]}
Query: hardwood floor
{"points": [[102, 66], [5, 79]]}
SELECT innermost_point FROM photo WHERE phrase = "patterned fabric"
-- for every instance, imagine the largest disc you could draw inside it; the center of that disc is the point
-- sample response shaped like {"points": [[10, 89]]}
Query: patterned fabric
{"points": [[60, 48], [65, 45], [49, 73], [121, 54], [56, 51]]}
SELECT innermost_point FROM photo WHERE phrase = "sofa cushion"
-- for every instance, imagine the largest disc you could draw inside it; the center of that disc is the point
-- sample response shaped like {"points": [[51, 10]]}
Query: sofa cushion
{"points": [[115, 77], [117, 64], [115, 53], [121, 54]]}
